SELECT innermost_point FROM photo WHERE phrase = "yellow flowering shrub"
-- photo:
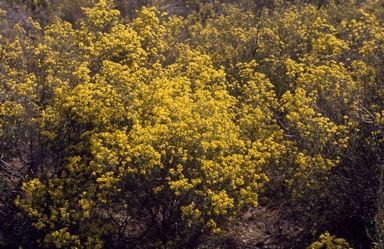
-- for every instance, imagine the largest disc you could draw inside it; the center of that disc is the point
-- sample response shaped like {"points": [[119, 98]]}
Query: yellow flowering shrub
{"points": [[157, 130], [330, 242], [314, 141], [183, 150], [140, 142]]}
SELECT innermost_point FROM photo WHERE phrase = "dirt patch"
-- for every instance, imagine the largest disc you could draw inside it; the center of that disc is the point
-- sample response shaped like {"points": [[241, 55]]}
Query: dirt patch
{"points": [[259, 227]]}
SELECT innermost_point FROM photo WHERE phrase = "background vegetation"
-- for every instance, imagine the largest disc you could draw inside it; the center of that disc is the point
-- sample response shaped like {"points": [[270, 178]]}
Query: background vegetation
{"points": [[161, 124]]}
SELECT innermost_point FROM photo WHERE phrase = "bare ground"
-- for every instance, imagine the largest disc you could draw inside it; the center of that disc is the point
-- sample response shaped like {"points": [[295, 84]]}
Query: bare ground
{"points": [[259, 227]]}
